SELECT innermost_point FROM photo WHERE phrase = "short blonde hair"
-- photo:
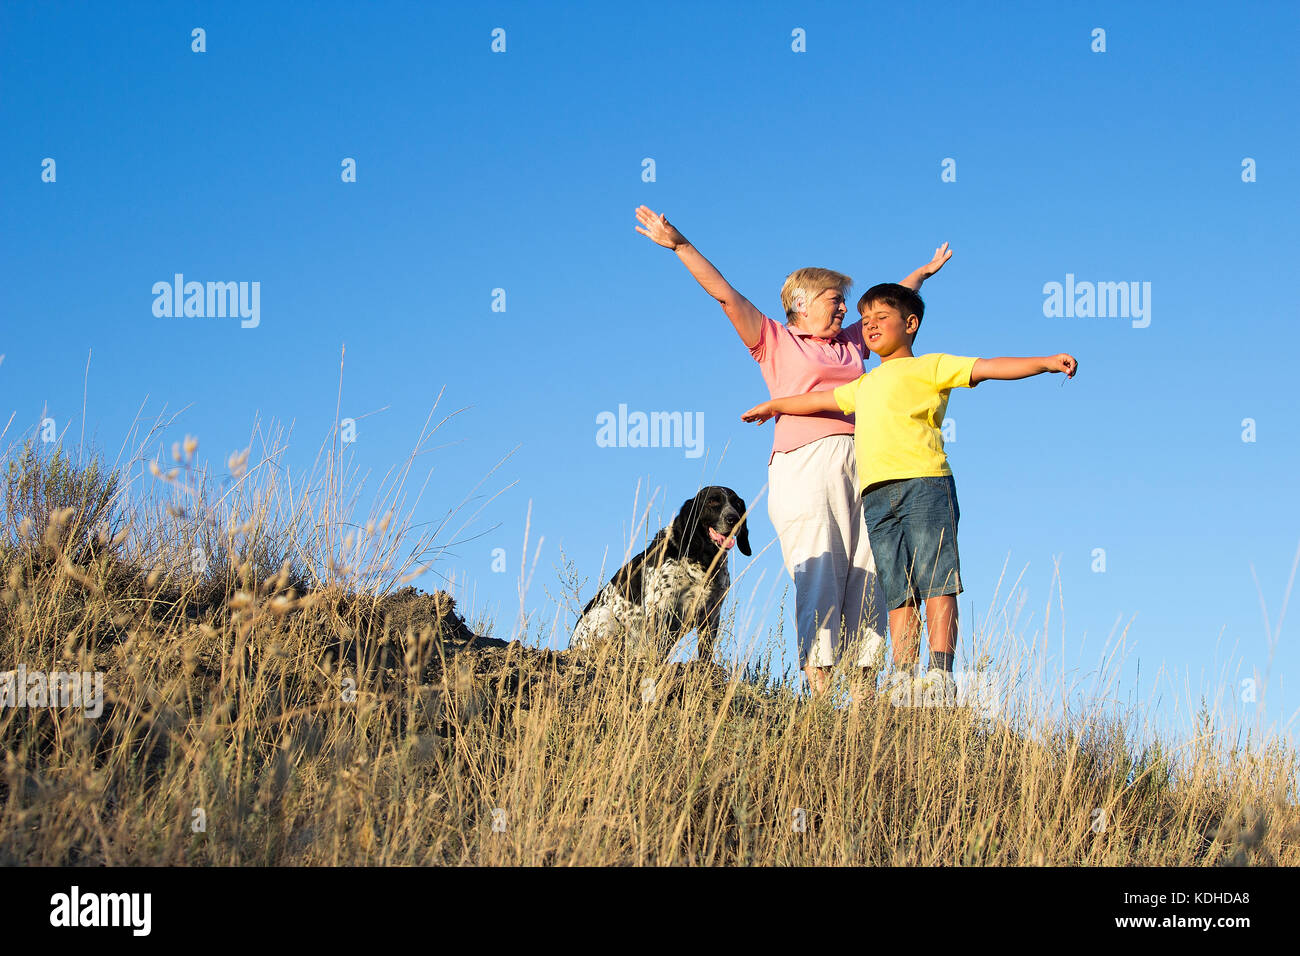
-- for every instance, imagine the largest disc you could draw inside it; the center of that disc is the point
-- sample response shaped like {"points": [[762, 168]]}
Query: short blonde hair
{"points": [[808, 284]]}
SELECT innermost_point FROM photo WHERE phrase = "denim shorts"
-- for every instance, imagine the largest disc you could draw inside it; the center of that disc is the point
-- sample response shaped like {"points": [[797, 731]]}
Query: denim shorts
{"points": [[912, 525]]}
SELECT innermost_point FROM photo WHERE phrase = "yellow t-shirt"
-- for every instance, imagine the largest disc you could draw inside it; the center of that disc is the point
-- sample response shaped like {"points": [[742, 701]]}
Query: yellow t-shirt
{"points": [[899, 409]]}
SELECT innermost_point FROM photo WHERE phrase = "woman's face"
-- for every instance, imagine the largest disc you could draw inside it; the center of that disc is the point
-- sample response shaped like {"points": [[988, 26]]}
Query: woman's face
{"points": [[824, 314]]}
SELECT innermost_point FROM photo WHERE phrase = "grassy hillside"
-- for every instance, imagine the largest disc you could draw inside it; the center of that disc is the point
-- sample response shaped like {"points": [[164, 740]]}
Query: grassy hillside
{"points": [[268, 702]]}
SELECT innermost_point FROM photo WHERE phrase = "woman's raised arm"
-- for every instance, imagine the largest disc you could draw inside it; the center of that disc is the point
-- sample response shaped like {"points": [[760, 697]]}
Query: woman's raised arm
{"points": [[914, 280], [747, 319]]}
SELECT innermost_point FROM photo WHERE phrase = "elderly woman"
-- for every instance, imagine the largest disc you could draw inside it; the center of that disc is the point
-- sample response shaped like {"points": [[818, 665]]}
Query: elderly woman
{"points": [[813, 494]]}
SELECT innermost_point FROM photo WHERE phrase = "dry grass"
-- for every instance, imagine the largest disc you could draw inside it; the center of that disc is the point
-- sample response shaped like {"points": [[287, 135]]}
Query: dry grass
{"points": [[265, 676]]}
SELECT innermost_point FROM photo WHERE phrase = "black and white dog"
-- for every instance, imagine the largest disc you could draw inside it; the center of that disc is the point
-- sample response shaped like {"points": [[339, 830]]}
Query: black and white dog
{"points": [[674, 586]]}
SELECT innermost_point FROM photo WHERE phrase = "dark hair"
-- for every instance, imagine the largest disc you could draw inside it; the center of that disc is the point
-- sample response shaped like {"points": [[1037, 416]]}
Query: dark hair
{"points": [[900, 297]]}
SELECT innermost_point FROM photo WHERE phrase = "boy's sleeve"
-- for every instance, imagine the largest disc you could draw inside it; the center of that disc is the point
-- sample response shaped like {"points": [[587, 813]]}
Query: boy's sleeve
{"points": [[846, 396], [952, 371]]}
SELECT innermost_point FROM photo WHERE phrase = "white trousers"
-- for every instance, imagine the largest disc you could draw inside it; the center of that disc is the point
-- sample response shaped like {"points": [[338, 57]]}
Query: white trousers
{"points": [[815, 505]]}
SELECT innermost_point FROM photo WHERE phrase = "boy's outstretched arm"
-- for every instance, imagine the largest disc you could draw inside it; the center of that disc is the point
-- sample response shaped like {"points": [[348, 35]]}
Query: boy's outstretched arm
{"points": [[747, 319], [807, 404], [914, 280], [1008, 369]]}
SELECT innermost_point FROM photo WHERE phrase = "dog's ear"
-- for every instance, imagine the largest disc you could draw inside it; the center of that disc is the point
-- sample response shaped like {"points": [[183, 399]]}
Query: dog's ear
{"points": [[742, 539], [686, 521]]}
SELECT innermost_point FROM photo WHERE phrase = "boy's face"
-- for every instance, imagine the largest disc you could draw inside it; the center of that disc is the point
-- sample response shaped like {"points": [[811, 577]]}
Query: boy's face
{"points": [[825, 314], [886, 331]]}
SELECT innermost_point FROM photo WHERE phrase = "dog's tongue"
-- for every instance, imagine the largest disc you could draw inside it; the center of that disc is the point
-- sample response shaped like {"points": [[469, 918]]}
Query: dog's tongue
{"points": [[726, 544]]}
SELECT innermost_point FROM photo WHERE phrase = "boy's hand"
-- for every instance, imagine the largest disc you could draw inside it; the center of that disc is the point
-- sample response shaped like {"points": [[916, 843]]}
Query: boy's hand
{"points": [[658, 228], [1062, 363], [758, 414], [941, 255]]}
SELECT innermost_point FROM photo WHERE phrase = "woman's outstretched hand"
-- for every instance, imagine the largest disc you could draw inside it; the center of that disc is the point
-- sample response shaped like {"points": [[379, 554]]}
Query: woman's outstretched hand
{"points": [[658, 228], [758, 414], [914, 279], [941, 255]]}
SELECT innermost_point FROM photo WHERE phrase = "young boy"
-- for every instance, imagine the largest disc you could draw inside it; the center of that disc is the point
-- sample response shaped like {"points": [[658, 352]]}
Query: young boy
{"points": [[908, 495]]}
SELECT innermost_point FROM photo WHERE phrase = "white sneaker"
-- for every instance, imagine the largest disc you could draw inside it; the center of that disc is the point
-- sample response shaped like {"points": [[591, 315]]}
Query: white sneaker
{"points": [[940, 688]]}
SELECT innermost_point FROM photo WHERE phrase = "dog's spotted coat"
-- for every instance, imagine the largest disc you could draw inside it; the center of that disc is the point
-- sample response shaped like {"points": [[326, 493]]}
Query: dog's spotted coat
{"points": [[674, 586]]}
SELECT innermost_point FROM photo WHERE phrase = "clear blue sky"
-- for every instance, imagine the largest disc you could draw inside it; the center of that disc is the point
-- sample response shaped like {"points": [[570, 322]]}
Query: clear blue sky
{"points": [[520, 170]]}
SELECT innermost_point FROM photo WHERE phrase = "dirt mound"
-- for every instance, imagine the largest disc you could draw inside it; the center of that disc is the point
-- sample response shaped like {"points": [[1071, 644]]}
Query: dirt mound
{"points": [[413, 608]]}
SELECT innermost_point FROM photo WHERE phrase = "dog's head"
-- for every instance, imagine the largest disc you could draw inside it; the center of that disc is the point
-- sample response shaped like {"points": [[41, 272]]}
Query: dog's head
{"points": [[712, 521]]}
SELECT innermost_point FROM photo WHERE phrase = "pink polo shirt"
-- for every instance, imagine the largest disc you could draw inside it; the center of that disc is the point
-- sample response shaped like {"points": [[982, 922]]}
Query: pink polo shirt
{"points": [[794, 362]]}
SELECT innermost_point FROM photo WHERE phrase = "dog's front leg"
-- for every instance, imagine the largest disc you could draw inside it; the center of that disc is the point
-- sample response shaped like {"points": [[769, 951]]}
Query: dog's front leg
{"points": [[708, 634]]}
